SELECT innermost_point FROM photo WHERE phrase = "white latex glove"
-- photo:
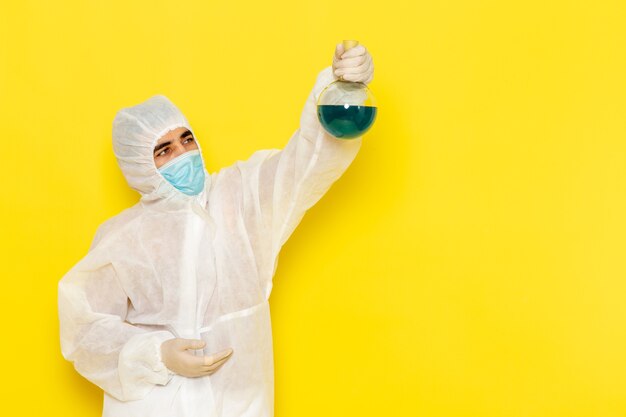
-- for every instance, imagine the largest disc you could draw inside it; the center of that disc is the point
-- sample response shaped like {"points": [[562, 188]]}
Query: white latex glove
{"points": [[355, 64], [175, 356]]}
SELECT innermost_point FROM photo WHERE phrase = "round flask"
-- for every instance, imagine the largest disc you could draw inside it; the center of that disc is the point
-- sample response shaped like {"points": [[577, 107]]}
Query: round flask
{"points": [[346, 109]]}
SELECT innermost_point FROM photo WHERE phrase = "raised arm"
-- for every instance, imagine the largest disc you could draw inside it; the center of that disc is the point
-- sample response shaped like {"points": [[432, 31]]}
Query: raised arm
{"points": [[279, 186]]}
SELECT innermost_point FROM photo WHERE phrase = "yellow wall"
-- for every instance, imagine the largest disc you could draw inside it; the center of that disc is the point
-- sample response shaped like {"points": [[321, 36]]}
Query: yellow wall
{"points": [[472, 260]]}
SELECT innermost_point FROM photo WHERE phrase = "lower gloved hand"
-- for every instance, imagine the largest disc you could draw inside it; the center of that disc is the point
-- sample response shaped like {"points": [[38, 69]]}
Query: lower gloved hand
{"points": [[355, 64], [175, 356]]}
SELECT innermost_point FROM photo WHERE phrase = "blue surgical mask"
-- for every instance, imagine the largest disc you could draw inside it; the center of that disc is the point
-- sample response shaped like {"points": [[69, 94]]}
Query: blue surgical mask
{"points": [[185, 172]]}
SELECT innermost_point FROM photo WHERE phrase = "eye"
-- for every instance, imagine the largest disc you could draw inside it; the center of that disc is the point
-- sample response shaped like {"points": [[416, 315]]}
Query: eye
{"points": [[163, 152], [190, 139]]}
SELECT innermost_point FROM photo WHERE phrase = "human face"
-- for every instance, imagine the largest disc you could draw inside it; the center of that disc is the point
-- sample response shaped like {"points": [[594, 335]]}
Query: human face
{"points": [[174, 143]]}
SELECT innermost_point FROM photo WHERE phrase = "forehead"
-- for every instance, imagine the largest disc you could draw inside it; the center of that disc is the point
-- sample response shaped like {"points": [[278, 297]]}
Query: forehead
{"points": [[172, 135]]}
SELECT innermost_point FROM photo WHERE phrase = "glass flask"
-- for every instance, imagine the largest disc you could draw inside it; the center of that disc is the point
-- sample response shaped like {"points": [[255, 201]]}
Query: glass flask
{"points": [[346, 109]]}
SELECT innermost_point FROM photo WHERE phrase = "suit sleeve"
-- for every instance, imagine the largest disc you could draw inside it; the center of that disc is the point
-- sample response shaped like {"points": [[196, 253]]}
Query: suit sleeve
{"points": [[122, 359], [279, 186]]}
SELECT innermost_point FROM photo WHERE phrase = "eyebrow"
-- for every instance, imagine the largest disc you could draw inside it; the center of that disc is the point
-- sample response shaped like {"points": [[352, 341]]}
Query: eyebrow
{"points": [[164, 144]]}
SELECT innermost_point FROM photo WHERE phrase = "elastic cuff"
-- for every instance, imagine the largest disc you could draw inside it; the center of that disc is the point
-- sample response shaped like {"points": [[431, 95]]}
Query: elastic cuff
{"points": [[159, 365]]}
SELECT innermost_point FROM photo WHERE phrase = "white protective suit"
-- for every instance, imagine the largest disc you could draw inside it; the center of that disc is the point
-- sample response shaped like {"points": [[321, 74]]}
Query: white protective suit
{"points": [[196, 267]]}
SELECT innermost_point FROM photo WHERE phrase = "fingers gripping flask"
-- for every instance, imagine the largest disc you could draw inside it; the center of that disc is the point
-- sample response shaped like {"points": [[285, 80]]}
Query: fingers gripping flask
{"points": [[346, 109]]}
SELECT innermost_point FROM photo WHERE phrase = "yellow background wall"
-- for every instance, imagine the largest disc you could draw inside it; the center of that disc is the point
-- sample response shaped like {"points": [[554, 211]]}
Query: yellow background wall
{"points": [[472, 260]]}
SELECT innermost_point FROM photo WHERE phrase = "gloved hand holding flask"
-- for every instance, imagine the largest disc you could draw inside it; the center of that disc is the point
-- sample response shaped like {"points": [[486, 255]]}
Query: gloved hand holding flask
{"points": [[346, 108]]}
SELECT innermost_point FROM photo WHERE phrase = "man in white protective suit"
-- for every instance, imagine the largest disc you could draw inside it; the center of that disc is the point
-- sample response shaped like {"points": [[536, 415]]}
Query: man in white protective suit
{"points": [[168, 311]]}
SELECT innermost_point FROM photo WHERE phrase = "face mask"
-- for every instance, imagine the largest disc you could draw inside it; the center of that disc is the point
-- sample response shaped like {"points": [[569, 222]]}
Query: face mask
{"points": [[185, 172]]}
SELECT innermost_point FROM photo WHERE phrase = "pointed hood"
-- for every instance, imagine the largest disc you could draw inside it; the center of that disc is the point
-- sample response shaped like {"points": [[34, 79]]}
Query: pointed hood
{"points": [[136, 131]]}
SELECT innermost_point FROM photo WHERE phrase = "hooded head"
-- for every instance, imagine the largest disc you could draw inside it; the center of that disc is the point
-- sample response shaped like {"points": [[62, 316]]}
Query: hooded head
{"points": [[136, 130]]}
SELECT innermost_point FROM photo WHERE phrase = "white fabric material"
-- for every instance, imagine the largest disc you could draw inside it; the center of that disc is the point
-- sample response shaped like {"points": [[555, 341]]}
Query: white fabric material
{"points": [[193, 267]]}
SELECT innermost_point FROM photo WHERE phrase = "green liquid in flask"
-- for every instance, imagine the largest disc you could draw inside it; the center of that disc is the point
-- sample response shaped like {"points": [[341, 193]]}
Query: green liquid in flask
{"points": [[346, 121]]}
